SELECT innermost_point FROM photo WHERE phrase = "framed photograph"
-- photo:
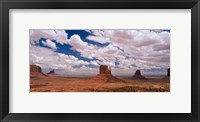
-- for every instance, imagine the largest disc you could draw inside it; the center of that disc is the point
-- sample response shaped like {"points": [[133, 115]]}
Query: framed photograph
{"points": [[83, 60], [99, 60]]}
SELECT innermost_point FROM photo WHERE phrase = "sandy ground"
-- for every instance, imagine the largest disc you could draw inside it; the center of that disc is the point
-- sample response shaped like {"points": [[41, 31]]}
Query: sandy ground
{"points": [[56, 83]]}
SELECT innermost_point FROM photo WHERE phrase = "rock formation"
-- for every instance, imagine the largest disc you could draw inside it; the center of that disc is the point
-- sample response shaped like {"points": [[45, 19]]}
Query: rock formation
{"points": [[52, 72], [167, 76], [36, 71], [35, 68], [105, 75], [138, 75], [104, 70], [168, 72]]}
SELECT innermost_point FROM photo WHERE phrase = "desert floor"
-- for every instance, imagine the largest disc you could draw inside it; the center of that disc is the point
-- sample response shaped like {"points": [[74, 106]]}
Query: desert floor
{"points": [[56, 83]]}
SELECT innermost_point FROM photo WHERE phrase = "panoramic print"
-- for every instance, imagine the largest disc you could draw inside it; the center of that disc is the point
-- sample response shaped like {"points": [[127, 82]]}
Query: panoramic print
{"points": [[103, 60]]}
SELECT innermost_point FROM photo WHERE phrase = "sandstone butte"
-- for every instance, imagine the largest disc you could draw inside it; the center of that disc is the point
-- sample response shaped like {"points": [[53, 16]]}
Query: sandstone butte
{"points": [[138, 75], [168, 72], [36, 71], [105, 75], [52, 72]]}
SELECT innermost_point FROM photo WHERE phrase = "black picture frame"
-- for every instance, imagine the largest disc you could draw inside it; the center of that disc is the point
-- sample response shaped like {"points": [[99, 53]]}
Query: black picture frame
{"points": [[5, 5]]}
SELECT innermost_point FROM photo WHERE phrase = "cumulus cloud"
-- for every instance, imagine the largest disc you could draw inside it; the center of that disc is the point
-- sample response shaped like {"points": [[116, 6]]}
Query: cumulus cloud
{"points": [[145, 48], [76, 43], [84, 71], [124, 50], [50, 44], [58, 35], [47, 58], [92, 51], [61, 36]]}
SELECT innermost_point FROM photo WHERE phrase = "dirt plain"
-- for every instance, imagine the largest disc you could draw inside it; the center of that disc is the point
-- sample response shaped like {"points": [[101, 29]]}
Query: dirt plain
{"points": [[61, 83]]}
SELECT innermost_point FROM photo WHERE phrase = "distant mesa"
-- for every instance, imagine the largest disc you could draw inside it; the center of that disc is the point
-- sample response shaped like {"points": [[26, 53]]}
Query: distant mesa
{"points": [[168, 72], [36, 71], [52, 72], [167, 76], [138, 75], [105, 75]]}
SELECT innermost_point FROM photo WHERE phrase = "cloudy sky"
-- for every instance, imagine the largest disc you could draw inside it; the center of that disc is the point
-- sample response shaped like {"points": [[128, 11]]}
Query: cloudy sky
{"points": [[80, 52]]}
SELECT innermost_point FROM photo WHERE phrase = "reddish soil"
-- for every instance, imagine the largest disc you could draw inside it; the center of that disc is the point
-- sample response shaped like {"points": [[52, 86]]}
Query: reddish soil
{"points": [[61, 83]]}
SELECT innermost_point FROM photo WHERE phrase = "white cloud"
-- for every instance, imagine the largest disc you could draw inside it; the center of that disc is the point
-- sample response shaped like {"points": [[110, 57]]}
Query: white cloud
{"points": [[76, 42], [50, 44], [123, 72], [95, 63], [47, 58], [61, 36], [150, 48], [58, 35], [131, 49], [84, 71]]}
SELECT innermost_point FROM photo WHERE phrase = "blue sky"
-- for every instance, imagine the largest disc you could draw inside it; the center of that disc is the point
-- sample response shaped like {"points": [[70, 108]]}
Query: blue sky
{"points": [[78, 51], [66, 48]]}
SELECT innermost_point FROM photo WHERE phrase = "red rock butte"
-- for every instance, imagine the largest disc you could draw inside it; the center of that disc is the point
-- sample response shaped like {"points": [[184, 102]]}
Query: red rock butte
{"points": [[104, 70], [105, 75], [138, 75], [36, 71], [168, 72], [51, 72], [35, 68]]}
